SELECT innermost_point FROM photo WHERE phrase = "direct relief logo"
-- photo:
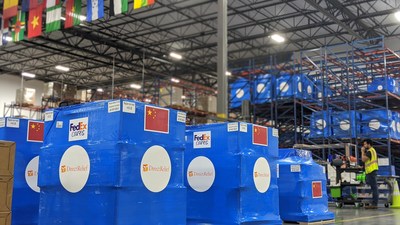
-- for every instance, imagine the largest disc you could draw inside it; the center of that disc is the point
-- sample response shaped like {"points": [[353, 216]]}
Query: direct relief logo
{"points": [[63, 168], [145, 167], [31, 174], [79, 168], [262, 175], [200, 174], [202, 139], [78, 129]]}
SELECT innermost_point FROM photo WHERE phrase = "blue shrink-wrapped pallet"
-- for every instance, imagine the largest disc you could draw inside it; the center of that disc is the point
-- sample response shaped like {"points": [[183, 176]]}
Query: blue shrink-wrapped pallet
{"points": [[382, 83], [322, 90], [308, 87], [263, 88], [114, 162], [387, 171], [396, 125], [377, 123], [346, 124], [302, 188], [240, 91], [28, 136], [231, 174], [321, 124], [288, 85]]}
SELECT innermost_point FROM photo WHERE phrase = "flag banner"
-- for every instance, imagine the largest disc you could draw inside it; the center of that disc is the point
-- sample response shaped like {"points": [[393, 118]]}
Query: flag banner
{"points": [[260, 135], [4, 32], [18, 26], [137, 4], [10, 8], [73, 13], [53, 15], [35, 131], [317, 189], [31, 4], [156, 119], [118, 7], [95, 10], [35, 22]]}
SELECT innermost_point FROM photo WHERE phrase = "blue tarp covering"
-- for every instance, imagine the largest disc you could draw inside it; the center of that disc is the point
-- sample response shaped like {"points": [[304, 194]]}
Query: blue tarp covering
{"points": [[308, 87], [240, 91], [227, 176], [381, 83], [288, 86], [377, 123], [113, 162], [344, 124], [322, 90], [302, 187], [25, 202], [263, 88], [321, 124]]}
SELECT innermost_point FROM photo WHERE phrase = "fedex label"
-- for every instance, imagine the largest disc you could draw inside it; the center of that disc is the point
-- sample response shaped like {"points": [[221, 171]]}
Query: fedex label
{"points": [[202, 139], [78, 129]]}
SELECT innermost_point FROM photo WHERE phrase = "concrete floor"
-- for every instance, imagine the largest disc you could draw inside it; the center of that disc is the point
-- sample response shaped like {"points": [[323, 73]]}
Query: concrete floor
{"points": [[352, 216]]}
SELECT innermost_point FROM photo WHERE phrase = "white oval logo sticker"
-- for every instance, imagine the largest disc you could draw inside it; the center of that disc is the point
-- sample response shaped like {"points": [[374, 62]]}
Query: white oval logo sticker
{"points": [[74, 169], [309, 90], [321, 124], [239, 93], [260, 88], [374, 124], [284, 87], [300, 87], [380, 87], [31, 174], [345, 125], [201, 174], [155, 168], [262, 175], [398, 126]]}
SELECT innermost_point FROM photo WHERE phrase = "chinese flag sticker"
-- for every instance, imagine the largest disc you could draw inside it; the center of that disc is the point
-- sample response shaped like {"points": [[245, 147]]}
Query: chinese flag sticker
{"points": [[317, 189], [35, 131], [260, 135], [156, 119]]}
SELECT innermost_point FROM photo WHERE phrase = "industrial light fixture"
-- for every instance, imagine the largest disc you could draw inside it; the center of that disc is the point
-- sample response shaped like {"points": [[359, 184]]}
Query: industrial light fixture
{"points": [[175, 80], [30, 75], [227, 73], [100, 90], [397, 15], [62, 68], [175, 55], [183, 97], [278, 38], [136, 86]]}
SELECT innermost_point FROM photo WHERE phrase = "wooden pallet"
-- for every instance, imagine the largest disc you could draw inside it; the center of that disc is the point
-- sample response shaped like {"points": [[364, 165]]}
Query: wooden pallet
{"points": [[317, 222]]}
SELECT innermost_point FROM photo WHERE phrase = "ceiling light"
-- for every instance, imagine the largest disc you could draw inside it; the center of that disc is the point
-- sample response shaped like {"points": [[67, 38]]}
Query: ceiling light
{"points": [[9, 39], [183, 97], [100, 90], [88, 90], [147, 100], [136, 86], [175, 80], [397, 15], [62, 68], [175, 55], [278, 38], [30, 75], [227, 73]]}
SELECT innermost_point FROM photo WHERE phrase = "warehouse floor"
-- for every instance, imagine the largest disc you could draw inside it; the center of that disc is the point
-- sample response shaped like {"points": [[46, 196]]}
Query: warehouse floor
{"points": [[352, 216]]}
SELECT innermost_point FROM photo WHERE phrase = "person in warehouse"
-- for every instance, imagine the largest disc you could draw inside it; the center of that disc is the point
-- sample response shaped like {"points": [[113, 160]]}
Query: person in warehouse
{"points": [[370, 159]]}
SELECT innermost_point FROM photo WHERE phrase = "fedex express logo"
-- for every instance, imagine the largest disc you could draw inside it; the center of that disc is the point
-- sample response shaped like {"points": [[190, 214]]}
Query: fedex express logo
{"points": [[78, 129], [202, 139]]}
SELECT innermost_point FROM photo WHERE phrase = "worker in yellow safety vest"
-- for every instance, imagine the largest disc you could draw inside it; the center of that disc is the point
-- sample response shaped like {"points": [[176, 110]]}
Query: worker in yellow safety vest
{"points": [[370, 159]]}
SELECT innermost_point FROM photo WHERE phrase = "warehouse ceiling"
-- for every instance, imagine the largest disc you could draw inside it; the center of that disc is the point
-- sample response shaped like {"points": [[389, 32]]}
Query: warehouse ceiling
{"points": [[189, 27]]}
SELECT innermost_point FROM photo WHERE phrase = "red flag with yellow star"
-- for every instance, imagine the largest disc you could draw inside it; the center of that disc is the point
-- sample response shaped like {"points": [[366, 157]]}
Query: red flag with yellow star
{"points": [[35, 131], [260, 135], [35, 22], [156, 119], [317, 189]]}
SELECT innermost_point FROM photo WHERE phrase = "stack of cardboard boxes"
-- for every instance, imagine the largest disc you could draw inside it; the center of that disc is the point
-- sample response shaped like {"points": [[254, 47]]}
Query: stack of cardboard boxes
{"points": [[7, 156]]}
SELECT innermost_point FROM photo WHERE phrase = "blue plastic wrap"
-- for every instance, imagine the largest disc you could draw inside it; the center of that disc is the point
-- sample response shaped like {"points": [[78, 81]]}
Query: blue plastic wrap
{"points": [[308, 87], [377, 123], [108, 163], [379, 84], [322, 90], [263, 88], [222, 165], [302, 187], [395, 125], [240, 91], [25, 202], [321, 124], [344, 124], [288, 86]]}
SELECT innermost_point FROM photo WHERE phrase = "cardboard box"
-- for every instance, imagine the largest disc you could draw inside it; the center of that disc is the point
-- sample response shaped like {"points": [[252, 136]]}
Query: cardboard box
{"points": [[170, 96], [207, 103], [26, 96], [6, 189], [7, 157], [5, 218]]}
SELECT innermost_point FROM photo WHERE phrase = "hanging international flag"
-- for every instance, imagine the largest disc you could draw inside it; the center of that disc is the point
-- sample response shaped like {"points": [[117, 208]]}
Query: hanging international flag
{"points": [[316, 189], [35, 131], [260, 135], [53, 15], [18, 26], [95, 10], [118, 7], [4, 32], [156, 119], [31, 4], [35, 22], [10, 8], [137, 4], [73, 13]]}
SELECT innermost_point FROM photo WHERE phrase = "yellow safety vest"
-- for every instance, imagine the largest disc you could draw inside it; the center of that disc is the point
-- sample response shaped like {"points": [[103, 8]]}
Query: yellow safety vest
{"points": [[372, 164]]}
